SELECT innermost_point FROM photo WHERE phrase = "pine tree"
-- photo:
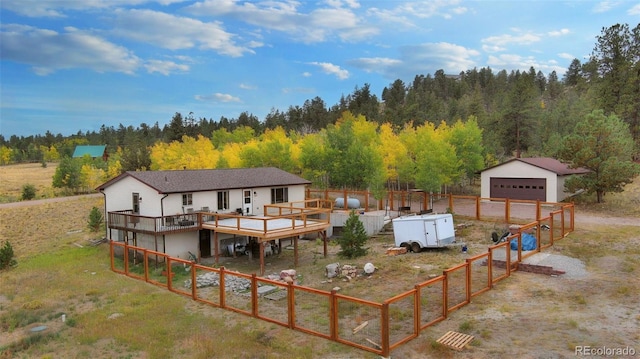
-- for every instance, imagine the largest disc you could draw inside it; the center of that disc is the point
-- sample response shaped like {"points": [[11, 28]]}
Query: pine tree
{"points": [[353, 238]]}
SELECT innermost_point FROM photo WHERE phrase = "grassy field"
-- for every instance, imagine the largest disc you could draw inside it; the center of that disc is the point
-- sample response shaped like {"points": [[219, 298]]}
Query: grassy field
{"points": [[14, 177], [112, 316]]}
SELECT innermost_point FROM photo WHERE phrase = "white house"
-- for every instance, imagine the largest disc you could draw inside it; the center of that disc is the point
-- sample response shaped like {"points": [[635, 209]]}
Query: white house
{"points": [[181, 212], [539, 178]]}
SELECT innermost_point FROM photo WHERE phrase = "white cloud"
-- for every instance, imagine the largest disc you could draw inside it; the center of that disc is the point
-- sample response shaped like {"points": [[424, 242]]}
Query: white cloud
{"points": [[492, 48], [165, 67], [318, 25], [248, 87], [217, 97], [375, 64], [442, 55], [303, 90], [523, 63], [175, 32], [604, 6], [57, 8], [329, 68], [421, 59], [48, 51], [503, 40], [564, 55], [560, 32], [409, 14], [306, 74], [635, 10]]}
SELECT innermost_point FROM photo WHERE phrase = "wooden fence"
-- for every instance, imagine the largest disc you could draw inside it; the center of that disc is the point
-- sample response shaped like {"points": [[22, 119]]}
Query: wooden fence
{"points": [[370, 326]]}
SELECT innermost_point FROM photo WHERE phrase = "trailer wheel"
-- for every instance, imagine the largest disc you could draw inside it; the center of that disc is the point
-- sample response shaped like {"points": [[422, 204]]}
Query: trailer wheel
{"points": [[415, 247], [406, 245]]}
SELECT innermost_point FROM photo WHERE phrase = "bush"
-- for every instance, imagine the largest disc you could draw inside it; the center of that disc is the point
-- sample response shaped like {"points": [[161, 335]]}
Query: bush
{"points": [[353, 238], [28, 192], [6, 256], [95, 219]]}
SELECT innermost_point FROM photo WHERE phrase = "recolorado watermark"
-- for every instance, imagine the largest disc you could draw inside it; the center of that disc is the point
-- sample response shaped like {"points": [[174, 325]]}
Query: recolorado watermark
{"points": [[604, 351]]}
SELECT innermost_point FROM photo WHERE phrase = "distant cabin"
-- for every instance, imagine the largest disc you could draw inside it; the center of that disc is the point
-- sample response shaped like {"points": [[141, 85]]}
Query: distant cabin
{"points": [[92, 151]]}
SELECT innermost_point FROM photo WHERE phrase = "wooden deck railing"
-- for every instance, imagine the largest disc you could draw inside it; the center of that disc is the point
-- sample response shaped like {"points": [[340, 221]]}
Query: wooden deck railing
{"points": [[370, 326]]}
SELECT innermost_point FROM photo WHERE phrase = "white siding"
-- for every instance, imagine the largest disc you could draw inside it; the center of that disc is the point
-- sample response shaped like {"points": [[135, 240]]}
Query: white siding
{"points": [[517, 169], [180, 244], [119, 198]]}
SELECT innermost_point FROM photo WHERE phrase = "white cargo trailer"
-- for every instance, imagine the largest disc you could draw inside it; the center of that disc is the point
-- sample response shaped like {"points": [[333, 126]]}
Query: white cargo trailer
{"points": [[424, 231]]}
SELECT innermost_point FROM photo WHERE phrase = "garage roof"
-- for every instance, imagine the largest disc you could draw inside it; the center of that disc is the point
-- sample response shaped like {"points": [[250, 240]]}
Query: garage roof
{"points": [[547, 163]]}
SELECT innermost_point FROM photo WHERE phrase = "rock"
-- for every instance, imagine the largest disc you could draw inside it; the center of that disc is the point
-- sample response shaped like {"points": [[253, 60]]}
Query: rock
{"points": [[331, 270], [336, 288], [369, 268], [115, 315]]}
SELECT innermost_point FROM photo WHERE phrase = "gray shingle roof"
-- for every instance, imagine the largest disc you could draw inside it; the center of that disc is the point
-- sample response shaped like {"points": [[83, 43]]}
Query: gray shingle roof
{"points": [[177, 181], [549, 164]]}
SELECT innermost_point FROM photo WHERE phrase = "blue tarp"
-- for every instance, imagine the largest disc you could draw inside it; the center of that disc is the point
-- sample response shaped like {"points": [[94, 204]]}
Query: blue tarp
{"points": [[528, 242]]}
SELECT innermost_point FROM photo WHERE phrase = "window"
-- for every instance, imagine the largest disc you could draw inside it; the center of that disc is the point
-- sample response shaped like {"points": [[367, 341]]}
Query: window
{"points": [[223, 200], [187, 199], [280, 195]]}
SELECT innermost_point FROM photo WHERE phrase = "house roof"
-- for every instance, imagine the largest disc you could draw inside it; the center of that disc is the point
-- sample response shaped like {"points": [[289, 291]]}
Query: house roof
{"points": [[547, 163], [93, 151], [179, 181]]}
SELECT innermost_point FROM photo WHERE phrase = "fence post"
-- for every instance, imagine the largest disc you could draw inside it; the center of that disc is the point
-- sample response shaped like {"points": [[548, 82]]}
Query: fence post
{"points": [[254, 295], [445, 295], [490, 267], [113, 255], [145, 260], [222, 288], [468, 289], [126, 258], [366, 201], [169, 281], [384, 346], [417, 309], [478, 208], [333, 316], [346, 197], [451, 203], [291, 300], [538, 211], [507, 210], [194, 293]]}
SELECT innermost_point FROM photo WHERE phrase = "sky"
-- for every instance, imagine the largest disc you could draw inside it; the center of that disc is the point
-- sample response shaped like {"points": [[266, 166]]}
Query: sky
{"points": [[75, 65]]}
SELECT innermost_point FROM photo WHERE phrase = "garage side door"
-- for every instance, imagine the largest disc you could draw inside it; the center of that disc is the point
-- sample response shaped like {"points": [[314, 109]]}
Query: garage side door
{"points": [[519, 188]]}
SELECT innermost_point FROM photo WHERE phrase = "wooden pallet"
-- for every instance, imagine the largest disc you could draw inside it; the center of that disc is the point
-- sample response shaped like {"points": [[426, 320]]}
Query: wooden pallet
{"points": [[455, 340]]}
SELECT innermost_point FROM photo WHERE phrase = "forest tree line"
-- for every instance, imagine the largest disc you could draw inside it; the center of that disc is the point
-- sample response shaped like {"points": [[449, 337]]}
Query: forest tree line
{"points": [[438, 129]]}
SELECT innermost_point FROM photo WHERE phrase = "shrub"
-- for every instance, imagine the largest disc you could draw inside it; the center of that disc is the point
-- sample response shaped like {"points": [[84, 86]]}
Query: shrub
{"points": [[28, 192], [353, 238], [95, 219], [6, 256]]}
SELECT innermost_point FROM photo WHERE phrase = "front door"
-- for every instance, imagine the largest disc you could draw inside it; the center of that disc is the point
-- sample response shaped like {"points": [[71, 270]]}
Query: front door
{"points": [[247, 205], [205, 243], [135, 203]]}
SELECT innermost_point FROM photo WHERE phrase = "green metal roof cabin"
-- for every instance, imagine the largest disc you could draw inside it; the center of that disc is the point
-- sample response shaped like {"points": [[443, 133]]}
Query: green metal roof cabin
{"points": [[92, 151]]}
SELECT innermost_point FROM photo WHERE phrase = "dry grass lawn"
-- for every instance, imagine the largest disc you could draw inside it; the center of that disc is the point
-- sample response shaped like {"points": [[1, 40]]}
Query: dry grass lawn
{"points": [[112, 316], [14, 177]]}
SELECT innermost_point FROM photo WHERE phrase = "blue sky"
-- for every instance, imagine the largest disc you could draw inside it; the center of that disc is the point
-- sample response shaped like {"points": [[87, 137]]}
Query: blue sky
{"points": [[74, 65]]}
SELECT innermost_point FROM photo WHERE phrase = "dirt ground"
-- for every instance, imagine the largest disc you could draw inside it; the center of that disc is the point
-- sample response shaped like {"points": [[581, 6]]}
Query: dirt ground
{"points": [[525, 316]]}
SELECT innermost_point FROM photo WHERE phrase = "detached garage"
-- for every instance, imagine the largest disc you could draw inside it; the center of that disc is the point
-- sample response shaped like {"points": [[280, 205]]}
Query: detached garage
{"points": [[539, 178]]}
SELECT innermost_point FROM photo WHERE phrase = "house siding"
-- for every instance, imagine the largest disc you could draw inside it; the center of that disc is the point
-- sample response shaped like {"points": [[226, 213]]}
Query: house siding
{"points": [[517, 169], [118, 197]]}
